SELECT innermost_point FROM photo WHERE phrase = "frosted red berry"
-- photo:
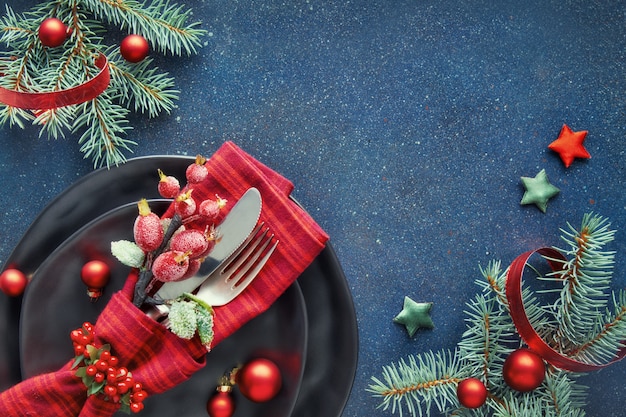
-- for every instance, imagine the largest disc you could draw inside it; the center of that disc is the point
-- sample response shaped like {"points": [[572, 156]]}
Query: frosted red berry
{"points": [[185, 205], [197, 172], [211, 208], [147, 230], [192, 241], [170, 266], [169, 186], [194, 267]]}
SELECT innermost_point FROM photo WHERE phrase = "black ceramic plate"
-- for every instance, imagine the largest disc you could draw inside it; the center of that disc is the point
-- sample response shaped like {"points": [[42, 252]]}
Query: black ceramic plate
{"points": [[55, 303], [332, 343]]}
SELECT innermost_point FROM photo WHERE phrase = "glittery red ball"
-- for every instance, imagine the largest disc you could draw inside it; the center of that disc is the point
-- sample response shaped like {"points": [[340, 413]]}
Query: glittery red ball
{"points": [[259, 380], [220, 405], [13, 282], [524, 370], [52, 32], [134, 48], [95, 275], [471, 393]]}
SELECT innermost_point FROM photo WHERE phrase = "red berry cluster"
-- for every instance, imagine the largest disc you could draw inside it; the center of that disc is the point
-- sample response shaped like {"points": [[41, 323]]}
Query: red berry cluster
{"points": [[101, 373], [189, 245]]}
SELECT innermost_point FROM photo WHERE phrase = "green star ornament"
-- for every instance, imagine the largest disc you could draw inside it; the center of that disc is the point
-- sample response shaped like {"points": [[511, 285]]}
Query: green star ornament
{"points": [[538, 190], [415, 316]]}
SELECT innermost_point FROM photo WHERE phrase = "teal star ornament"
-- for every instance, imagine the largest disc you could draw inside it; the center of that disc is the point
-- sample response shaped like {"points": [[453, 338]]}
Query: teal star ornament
{"points": [[415, 316], [538, 190]]}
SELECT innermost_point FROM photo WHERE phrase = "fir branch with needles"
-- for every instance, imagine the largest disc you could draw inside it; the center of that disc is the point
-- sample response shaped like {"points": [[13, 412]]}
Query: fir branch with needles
{"points": [[424, 382], [101, 124]]}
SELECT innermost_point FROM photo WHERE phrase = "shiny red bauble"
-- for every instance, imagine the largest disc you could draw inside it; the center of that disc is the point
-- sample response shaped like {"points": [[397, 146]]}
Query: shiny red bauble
{"points": [[95, 275], [13, 282], [524, 370], [221, 404], [471, 393], [52, 32], [259, 380], [134, 48]]}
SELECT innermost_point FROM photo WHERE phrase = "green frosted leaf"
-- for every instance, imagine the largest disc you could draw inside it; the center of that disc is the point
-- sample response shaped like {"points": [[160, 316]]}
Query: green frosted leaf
{"points": [[128, 253]]}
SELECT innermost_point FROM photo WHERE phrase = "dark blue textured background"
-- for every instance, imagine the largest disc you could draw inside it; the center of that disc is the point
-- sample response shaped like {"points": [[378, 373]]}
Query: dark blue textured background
{"points": [[405, 126]]}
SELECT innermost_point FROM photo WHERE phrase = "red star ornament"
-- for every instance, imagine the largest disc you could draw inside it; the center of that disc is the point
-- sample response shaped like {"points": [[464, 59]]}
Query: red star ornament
{"points": [[569, 145]]}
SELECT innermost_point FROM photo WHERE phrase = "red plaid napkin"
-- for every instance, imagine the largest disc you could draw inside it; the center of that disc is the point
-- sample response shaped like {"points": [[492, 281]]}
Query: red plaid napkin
{"points": [[157, 358]]}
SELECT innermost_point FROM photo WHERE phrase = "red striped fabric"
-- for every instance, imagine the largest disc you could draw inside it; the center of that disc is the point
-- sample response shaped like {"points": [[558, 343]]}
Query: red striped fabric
{"points": [[231, 172], [157, 358]]}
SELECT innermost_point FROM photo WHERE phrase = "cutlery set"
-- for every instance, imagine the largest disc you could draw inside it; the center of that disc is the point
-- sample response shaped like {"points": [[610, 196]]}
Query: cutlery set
{"points": [[234, 263]]}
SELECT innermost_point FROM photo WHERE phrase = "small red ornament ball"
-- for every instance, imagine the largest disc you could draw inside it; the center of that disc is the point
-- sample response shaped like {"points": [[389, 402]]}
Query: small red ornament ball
{"points": [[134, 48], [221, 404], [524, 370], [259, 380], [52, 32], [471, 393], [13, 282], [95, 275]]}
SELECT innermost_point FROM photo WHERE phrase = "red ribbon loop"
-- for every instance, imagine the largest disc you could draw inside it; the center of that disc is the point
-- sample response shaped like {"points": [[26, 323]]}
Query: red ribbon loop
{"points": [[522, 323], [54, 99]]}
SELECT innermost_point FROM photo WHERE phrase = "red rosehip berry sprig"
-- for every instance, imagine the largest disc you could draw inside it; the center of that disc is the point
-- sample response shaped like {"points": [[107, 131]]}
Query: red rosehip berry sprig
{"points": [[101, 373], [174, 248]]}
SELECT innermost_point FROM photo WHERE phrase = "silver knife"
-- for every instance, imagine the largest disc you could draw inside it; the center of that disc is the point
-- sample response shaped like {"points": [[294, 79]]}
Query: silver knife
{"points": [[236, 227]]}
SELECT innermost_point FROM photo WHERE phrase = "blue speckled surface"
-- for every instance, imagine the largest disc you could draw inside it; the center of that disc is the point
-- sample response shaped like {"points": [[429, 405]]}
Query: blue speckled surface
{"points": [[406, 127]]}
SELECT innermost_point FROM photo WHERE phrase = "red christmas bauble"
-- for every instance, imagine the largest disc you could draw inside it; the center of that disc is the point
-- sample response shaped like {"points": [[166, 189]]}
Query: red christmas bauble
{"points": [[524, 370], [95, 275], [13, 282], [259, 380], [221, 404], [471, 393], [134, 48], [52, 32]]}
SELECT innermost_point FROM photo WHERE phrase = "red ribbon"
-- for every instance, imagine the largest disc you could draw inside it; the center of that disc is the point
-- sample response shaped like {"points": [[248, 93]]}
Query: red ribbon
{"points": [[54, 99], [523, 325]]}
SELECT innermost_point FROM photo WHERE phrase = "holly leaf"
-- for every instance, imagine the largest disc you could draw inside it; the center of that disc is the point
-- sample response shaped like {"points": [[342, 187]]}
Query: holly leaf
{"points": [[125, 408], [95, 388], [128, 253], [183, 319], [93, 352], [81, 372], [77, 361], [204, 321]]}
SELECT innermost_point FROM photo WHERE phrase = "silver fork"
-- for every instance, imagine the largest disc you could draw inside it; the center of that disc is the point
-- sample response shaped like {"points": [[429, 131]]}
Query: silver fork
{"points": [[237, 272]]}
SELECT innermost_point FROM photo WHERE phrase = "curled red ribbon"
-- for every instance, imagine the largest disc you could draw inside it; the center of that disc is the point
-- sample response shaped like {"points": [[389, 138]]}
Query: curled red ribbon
{"points": [[523, 325], [54, 99]]}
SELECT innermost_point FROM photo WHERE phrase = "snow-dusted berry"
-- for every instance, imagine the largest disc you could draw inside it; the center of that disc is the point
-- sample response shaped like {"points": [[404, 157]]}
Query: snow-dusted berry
{"points": [[194, 267], [147, 229], [185, 205], [212, 236], [169, 187], [170, 266], [211, 208], [197, 172], [191, 240]]}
